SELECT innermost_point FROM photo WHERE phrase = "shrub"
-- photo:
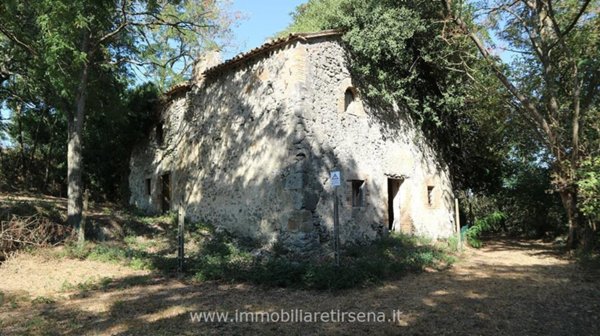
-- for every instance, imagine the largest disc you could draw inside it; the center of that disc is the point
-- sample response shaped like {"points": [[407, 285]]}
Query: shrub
{"points": [[589, 190], [224, 258], [110, 253], [488, 223]]}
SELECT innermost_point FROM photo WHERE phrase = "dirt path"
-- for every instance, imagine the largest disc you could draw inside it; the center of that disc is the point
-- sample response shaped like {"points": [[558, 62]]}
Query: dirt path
{"points": [[505, 288]]}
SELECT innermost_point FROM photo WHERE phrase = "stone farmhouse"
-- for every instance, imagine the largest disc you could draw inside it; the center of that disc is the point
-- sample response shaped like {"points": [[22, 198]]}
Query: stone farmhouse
{"points": [[249, 144]]}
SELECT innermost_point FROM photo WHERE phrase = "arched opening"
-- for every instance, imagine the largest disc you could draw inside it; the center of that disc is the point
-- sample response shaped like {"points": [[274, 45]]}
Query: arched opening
{"points": [[349, 97]]}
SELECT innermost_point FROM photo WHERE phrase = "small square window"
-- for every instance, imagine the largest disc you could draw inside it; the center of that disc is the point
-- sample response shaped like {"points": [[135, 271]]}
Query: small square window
{"points": [[148, 187], [358, 193], [430, 196]]}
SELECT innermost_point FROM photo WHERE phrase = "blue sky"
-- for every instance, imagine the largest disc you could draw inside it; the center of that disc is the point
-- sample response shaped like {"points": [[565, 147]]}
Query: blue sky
{"points": [[264, 18]]}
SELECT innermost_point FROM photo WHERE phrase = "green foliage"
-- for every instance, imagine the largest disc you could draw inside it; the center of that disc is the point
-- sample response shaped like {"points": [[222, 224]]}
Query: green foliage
{"points": [[589, 188], [317, 15], [527, 196], [42, 300], [111, 136], [111, 253], [223, 258], [37, 161], [45, 49], [405, 61], [491, 222], [453, 243], [88, 285], [553, 79]]}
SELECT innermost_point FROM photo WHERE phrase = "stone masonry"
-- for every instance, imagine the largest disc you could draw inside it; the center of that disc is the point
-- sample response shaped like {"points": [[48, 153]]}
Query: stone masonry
{"points": [[250, 143]]}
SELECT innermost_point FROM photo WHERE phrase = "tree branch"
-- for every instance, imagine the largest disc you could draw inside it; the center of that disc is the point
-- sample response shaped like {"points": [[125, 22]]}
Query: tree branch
{"points": [[15, 39], [534, 44], [523, 100], [570, 26], [119, 29]]}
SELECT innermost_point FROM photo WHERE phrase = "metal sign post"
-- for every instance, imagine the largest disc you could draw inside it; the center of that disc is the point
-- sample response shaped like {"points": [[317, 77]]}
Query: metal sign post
{"points": [[336, 182], [457, 220], [180, 250]]}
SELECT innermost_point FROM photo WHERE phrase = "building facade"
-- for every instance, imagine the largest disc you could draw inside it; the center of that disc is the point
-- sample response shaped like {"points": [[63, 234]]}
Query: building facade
{"points": [[249, 145]]}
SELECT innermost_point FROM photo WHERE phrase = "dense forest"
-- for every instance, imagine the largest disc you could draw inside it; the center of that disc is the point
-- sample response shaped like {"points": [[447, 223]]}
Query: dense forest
{"points": [[508, 92]]}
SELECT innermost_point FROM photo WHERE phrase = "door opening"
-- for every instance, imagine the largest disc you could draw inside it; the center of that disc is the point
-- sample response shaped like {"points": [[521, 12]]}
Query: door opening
{"points": [[166, 192], [393, 203]]}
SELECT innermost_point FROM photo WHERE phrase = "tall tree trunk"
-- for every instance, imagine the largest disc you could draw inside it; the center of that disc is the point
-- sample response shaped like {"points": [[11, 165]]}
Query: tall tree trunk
{"points": [[74, 152], [569, 200]]}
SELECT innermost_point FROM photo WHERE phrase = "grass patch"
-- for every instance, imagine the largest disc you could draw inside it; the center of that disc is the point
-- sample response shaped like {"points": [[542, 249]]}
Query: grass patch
{"points": [[110, 253], [88, 285], [147, 249], [12, 301], [37, 325], [40, 300], [223, 258], [213, 254]]}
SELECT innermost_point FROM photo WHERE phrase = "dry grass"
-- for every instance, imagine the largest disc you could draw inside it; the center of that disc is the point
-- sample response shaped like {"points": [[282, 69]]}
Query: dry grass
{"points": [[506, 288]]}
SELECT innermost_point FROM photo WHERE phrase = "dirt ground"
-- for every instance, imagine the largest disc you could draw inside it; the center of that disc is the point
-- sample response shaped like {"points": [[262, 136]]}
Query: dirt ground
{"points": [[506, 288]]}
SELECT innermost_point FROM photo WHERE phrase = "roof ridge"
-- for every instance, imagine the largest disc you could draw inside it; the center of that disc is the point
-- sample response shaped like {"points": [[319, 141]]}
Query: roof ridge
{"points": [[267, 46], [270, 45]]}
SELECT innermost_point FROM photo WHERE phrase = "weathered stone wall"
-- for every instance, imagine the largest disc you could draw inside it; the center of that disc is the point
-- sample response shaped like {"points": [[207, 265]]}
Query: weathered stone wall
{"points": [[232, 159], [372, 145], [151, 160], [251, 149]]}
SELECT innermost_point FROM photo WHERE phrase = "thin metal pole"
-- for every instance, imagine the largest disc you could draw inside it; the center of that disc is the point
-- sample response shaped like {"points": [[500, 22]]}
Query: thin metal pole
{"points": [[336, 228], [457, 214], [180, 250]]}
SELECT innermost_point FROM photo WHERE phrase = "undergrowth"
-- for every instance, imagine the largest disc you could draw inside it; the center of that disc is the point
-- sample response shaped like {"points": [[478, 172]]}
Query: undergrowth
{"points": [[213, 254], [112, 253], [223, 258], [488, 223]]}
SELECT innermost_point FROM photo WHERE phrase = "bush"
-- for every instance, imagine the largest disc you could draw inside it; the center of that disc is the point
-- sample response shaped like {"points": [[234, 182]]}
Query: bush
{"points": [[224, 258], [489, 223], [110, 253], [589, 189]]}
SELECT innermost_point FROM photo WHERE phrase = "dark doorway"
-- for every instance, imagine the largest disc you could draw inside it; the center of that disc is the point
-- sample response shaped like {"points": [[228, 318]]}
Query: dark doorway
{"points": [[393, 203], [166, 192]]}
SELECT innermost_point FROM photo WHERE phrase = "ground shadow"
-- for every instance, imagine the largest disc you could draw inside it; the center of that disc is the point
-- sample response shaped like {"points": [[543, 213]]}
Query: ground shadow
{"points": [[504, 289]]}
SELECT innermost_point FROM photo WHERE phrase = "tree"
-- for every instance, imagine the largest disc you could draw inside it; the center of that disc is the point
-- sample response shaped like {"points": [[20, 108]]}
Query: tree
{"points": [[553, 79], [399, 57], [65, 48]]}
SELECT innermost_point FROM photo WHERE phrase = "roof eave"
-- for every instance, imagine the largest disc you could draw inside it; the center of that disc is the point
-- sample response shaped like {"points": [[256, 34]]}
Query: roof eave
{"points": [[269, 46]]}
